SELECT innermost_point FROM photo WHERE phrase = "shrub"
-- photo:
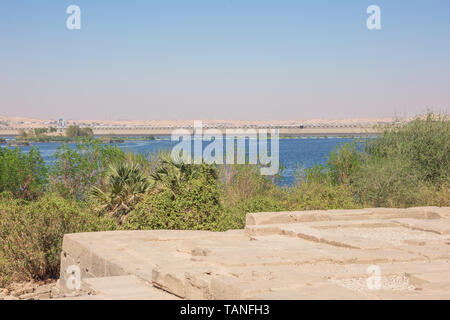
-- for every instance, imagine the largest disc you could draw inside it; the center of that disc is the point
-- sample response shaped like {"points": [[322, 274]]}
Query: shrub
{"points": [[313, 195], [76, 171], [435, 196], [171, 175], [408, 165], [40, 131], [391, 183], [75, 131], [262, 204], [31, 235], [125, 183], [343, 162], [424, 144], [186, 199], [244, 182], [22, 174]]}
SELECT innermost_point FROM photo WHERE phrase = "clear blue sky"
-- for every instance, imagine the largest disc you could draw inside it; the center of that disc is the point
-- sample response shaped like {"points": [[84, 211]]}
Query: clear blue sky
{"points": [[223, 59]]}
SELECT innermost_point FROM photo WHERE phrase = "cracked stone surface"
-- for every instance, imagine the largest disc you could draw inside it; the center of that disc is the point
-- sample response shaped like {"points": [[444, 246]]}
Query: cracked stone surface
{"points": [[335, 254]]}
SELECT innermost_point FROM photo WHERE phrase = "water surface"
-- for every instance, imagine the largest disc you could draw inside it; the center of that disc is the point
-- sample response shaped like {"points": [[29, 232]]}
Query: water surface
{"points": [[294, 152]]}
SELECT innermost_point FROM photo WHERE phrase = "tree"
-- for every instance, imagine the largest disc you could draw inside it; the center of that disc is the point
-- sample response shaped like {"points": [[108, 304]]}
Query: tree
{"points": [[25, 175], [125, 184], [74, 131], [40, 131]]}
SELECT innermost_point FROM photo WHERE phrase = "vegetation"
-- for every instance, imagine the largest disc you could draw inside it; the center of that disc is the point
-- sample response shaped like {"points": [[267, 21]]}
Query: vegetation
{"points": [[24, 175], [107, 139], [31, 234], [124, 187], [75, 172], [74, 131], [73, 134], [40, 131], [406, 166], [99, 187]]}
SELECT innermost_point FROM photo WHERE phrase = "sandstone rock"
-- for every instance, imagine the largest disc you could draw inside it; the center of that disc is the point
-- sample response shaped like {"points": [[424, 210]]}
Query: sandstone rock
{"points": [[285, 255]]}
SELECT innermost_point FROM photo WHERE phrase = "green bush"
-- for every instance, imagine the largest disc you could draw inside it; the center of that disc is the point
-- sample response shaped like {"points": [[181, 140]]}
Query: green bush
{"points": [[387, 183], [262, 204], [326, 187], [436, 195], [74, 131], [242, 183], [187, 200], [22, 174], [31, 235], [408, 165], [312, 195], [343, 162], [76, 171], [40, 131], [125, 184], [424, 144]]}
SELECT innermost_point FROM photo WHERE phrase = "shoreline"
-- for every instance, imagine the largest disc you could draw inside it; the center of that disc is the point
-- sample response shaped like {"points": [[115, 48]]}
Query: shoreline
{"points": [[283, 132]]}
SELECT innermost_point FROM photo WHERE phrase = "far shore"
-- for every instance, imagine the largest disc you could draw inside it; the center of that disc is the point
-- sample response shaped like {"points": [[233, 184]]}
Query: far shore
{"points": [[355, 131]]}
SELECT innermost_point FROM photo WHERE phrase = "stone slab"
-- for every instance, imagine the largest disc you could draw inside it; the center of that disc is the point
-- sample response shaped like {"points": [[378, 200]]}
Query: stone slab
{"points": [[286, 255], [124, 287]]}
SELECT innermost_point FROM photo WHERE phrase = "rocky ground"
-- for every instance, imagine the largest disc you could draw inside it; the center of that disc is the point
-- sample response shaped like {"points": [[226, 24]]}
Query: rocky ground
{"points": [[36, 290]]}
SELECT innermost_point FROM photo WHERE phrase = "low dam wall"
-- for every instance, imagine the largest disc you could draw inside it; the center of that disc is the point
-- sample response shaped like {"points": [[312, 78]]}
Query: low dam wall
{"points": [[320, 131], [335, 254]]}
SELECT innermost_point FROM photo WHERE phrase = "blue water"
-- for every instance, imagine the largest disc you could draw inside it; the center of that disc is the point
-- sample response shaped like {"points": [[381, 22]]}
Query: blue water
{"points": [[294, 153]]}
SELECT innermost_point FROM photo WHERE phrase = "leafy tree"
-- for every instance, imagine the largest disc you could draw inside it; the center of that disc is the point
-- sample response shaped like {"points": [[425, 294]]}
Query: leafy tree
{"points": [[40, 131], [76, 171], [25, 175], [74, 131]]}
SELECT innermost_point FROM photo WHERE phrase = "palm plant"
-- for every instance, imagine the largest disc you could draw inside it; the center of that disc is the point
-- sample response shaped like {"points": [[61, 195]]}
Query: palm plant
{"points": [[170, 174], [124, 186]]}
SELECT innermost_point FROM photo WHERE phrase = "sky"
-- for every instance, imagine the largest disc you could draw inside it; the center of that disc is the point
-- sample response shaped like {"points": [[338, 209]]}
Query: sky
{"points": [[223, 59]]}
